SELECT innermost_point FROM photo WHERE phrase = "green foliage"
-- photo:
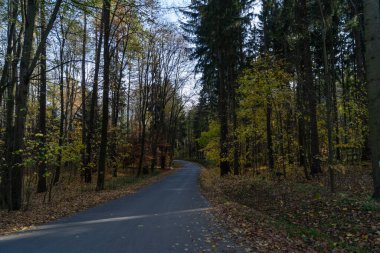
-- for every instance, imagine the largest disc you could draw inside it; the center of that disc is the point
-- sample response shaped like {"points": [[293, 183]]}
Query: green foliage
{"points": [[266, 81], [209, 142], [371, 205]]}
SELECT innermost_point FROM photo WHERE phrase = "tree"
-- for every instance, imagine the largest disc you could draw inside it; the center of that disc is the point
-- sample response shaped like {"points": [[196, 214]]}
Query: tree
{"points": [[308, 85], [106, 88], [28, 63], [372, 40], [42, 114], [94, 96], [216, 27]]}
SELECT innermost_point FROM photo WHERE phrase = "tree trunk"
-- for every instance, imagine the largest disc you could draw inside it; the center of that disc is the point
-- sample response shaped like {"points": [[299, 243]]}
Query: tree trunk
{"points": [[9, 83], [94, 96], [41, 187], [372, 40], [269, 137], [85, 159], [57, 172], [106, 88], [310, 87], [13, 11], [223, 120], [21, 107], [329, 100]]}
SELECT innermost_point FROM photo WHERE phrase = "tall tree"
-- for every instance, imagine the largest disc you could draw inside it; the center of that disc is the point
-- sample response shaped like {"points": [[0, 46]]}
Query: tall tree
{"points": [[372, 41], [106, 89], [94, 95], [8, 82], [41, 187], [85, 159], [216, 27], [307, 83], [28, 63]]}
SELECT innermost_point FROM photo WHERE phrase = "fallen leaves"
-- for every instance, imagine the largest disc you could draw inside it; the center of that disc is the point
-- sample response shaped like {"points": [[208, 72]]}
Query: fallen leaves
{"points": [[298, 216]]}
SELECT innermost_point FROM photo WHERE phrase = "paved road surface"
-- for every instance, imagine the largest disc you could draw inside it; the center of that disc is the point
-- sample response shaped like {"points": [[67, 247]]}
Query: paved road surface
{"points": [[168, 216]]}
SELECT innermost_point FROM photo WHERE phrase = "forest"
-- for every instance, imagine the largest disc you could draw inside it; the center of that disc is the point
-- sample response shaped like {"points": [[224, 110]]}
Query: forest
{"points": [[279, 100], [85, 87]]}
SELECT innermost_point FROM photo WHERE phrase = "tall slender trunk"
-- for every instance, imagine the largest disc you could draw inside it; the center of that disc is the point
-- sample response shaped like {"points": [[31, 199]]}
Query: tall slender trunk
{"points": [[57, 172], [21, 107], [269, 136], [8, 83], [41, 187], [85, 159], [129, 99], [329, 100], [116, 105], [13, 11], [144, 97], [106, 89], [235, 130], [310, 87], [94, 95], [223, 118], [372, 40]]}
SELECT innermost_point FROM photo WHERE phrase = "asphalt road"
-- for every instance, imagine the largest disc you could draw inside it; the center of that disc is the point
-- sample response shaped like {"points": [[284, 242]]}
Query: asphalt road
{"points": [[168, 216]]}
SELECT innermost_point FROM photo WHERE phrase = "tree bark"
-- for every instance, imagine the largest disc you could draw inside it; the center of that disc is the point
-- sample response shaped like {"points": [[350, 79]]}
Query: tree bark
{"points": [[27, 66], [269, 137], [106, 89], [9, 83], [329, 98], [223, 120], [85, 159], [94, 95], [41, 187], [21, 107], [310, 86], [62, 120], [372, 41], [13, 11]]}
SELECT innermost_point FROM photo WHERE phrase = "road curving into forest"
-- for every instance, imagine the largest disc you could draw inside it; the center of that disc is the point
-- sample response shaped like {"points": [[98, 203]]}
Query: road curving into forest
{"points": [[168, 216]]}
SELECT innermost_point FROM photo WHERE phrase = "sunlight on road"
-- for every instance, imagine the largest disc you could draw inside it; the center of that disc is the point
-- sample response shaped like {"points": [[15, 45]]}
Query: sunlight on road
{"points": [[42, 230]]}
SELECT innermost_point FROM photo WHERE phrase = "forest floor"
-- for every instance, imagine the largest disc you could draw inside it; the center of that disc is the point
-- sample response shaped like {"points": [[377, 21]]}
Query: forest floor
{"points": [[71, 196], [295, 215]]}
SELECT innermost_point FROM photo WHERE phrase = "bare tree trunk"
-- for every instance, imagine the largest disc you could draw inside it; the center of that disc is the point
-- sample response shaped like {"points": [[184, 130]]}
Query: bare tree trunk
{"points": [[235, 133], [269, 136], [13, 12], [106, 89], [21, 107], [94, 96], [9, 83], [329, 103], [57, 172], [129, 99], [144, 102], [310, 87], [85, 159], [372, 40], [223, 120], [41, 187]]}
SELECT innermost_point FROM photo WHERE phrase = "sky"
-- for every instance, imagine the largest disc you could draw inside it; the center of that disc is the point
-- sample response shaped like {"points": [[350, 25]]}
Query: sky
{"points": [[172, 8], [172, 14]]}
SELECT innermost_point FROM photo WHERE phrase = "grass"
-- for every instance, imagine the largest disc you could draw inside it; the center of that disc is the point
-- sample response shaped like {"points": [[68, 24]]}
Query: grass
{"points": [[370, 205]]}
